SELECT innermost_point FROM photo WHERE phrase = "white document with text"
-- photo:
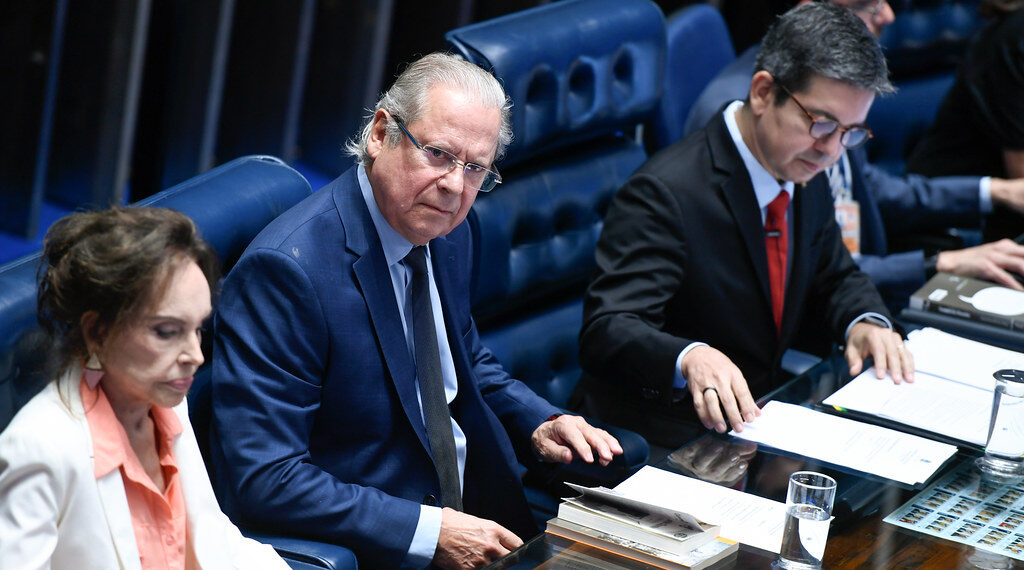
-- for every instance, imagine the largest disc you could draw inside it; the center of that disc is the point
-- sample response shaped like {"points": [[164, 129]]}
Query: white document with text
{"points": [[743, 517], [952, 390], [840, 441]]}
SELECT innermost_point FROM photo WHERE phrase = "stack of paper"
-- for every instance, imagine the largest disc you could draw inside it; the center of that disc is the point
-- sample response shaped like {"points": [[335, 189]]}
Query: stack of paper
{"points": [[840, 441], [952, 390], [650, 524], [745, 518]]}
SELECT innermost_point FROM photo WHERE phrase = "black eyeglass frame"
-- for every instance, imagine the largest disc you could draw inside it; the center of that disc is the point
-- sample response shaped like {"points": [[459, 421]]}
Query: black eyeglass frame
{"points": [[844, 137], [491, 179]]}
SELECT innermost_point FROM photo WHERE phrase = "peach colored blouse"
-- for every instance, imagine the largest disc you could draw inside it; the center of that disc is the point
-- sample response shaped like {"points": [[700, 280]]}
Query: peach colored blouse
{"points": [[158, 516]]}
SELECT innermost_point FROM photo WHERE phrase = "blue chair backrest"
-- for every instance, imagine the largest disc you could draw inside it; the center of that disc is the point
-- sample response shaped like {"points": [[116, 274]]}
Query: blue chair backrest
{"points": [[898, 122], [574, 69], [929, 38], [699, 46], [581, 74], [230, 204]]}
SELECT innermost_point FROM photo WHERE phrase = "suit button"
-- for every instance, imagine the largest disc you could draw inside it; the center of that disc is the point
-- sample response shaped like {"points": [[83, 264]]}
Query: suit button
{"points": [[430, 500]]}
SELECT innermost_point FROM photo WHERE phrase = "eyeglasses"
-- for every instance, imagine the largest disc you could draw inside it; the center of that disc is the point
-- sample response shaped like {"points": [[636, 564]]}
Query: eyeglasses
{"points": [[443, 162], [821, 129]]}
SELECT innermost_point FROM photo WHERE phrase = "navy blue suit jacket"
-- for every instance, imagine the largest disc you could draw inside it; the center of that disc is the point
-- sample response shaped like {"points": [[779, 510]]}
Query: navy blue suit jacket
{"points": [[317, 427], [888, 204]]}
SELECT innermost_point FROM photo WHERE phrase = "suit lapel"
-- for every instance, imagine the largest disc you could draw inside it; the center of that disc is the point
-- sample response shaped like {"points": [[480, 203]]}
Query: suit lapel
{"points": [[110, 487], [374, 279], [738, 194], [119, 518], [800, 248]]}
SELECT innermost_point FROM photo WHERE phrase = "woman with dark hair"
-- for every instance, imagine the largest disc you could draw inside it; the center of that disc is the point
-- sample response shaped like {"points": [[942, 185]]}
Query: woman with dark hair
{"points": [[101, 469]]}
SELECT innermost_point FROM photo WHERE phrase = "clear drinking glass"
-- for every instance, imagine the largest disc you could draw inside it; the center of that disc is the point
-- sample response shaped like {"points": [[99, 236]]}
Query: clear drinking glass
{"points": [[1004, 447], [808, 515]]}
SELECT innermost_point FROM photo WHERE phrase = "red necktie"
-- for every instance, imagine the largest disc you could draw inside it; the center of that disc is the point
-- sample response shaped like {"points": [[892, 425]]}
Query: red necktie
{"points": [[776, 242]]}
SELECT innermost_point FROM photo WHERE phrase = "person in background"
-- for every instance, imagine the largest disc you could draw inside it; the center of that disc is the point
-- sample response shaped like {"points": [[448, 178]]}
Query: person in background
{"points": [[872, 205], [101, 469], [353, 401], [715, 248], [979, 128]]}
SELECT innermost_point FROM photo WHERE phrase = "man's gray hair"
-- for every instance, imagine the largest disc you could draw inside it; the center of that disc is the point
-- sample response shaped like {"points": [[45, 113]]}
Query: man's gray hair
{"points": [[407, 99], [822, 40]]}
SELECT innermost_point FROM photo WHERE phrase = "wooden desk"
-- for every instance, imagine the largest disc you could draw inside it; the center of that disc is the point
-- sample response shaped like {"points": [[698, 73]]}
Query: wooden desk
{"points": [[855, 540]]}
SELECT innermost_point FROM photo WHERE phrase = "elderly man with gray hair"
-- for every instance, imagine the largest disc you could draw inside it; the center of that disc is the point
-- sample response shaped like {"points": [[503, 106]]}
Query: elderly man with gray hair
{"points": [[716, 247], [353, 401]]}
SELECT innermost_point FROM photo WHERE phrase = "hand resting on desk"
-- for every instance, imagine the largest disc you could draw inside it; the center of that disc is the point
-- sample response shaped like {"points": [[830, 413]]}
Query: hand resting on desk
{"points": [[884, 346], [704, 368], [471, 542], [567, 436], [716, 384], [998, 262]]}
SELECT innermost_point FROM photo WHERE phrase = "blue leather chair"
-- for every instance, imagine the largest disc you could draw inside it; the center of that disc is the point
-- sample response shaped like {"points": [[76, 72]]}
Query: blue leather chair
{"points": [[898, 122], [582, 74], [230, 204], [923, 46], [699, 46]]}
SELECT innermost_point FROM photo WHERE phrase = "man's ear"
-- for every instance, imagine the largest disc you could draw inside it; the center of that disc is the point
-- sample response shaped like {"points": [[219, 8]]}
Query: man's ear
{"points": [[762, 92], [378, 133], [92, 332]]}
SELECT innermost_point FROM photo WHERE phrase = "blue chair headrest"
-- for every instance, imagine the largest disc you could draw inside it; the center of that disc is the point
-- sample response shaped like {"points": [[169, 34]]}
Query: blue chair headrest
{"points": [[573, 69], [230, 204]]}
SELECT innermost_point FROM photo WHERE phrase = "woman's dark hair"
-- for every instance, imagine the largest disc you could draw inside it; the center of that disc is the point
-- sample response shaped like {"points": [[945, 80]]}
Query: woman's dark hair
{"points": [[114, 262]]}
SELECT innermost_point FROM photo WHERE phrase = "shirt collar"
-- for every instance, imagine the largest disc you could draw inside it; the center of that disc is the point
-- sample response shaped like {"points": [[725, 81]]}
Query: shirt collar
{"points": [[766, 187], [395, 246], [110, 443]]}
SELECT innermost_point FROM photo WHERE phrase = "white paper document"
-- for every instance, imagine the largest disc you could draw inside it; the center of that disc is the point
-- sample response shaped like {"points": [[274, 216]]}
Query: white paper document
{"points": [[840, 441], [952, 390], [743, 517]]}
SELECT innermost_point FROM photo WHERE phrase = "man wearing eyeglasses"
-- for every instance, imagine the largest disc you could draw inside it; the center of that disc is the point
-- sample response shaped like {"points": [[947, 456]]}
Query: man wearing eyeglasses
{"points": [[353, 401], [872, 204], [716, 247]]}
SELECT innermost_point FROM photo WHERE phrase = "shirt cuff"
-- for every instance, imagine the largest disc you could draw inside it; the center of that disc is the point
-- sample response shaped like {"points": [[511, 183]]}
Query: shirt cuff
{"points": [[871, 317], [985, 194], [678, 381], [424, 540]]}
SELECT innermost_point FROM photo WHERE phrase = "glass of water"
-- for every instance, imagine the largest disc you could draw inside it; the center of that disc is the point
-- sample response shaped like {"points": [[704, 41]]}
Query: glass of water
{"points": [[1004, 446], [808, 515]]}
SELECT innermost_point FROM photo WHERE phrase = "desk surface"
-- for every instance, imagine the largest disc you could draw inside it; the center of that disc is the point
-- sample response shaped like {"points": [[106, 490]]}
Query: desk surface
{"points": [[858, 538]]}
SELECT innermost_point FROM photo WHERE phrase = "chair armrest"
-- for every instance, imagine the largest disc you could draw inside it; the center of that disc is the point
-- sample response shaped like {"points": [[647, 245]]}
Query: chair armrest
{"points": [[303, 554]]}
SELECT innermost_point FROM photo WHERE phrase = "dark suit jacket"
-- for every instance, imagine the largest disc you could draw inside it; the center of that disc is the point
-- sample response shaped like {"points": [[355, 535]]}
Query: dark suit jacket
{"points": [[316, 422], [904, 204], [682, 258]]}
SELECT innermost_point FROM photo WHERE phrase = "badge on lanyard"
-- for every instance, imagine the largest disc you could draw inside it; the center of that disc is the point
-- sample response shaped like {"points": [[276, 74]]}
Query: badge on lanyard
{"points": [[847, 209]]}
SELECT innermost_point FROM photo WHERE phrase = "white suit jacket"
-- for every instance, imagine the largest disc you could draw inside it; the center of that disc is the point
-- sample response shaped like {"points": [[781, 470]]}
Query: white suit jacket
{"points": [[54, 513]]}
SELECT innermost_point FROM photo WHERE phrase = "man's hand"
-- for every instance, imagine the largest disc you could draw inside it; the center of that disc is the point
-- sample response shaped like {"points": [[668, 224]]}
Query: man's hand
{"points": [[560, 439], [991, 261], [1008, 193], [705, 368], [470, 542], [885, 346]]}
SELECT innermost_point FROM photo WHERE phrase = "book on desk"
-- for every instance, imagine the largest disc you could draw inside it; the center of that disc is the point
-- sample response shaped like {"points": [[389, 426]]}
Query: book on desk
{"points": [[702, 556], [613, 521], [971, 299]]}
